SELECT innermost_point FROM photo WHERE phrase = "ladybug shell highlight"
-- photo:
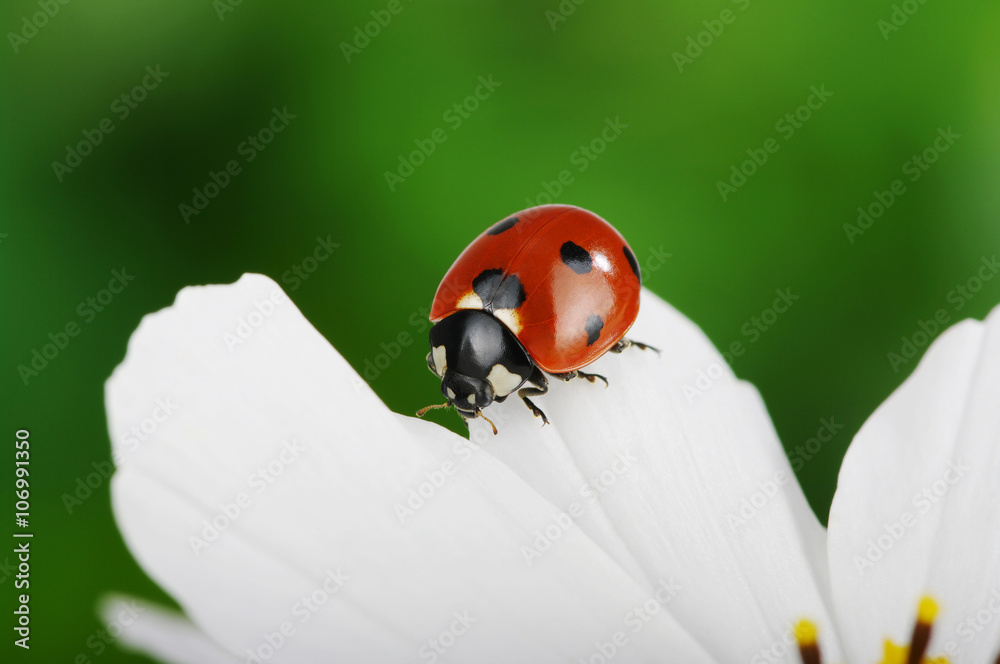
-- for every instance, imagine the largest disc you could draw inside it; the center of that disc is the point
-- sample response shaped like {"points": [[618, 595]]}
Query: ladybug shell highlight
{"points": [[559, 277]]}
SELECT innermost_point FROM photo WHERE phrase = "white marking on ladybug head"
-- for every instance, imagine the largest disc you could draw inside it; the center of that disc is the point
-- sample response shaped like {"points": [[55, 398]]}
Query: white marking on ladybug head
{"points": [[510, 318], [503, 381], [451, 393], [440, 358], [470, 301], [472, 398]]}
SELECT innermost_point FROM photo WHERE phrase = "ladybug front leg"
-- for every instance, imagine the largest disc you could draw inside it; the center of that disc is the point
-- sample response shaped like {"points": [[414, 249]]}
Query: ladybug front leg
{"points": [[581, 374], [625, 343], [542, 386]]}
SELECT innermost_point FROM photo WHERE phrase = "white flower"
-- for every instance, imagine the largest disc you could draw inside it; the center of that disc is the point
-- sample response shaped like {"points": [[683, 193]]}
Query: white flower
{"points": [[296, 519]]}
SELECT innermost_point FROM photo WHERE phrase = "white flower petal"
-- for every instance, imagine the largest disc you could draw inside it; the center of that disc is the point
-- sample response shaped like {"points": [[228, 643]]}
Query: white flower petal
{"points": [[278, 425], [700, 448], [165, 635], [917, 508]]}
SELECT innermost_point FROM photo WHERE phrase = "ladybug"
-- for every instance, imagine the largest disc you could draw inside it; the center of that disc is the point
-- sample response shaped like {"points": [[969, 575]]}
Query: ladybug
{"points": [[547, 290]]}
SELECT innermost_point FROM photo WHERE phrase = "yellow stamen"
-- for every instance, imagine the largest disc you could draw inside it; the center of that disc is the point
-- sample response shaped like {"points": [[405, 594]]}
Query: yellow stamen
{"points": [[913, 653], [893, 654], [805, 634], [927, 610]]}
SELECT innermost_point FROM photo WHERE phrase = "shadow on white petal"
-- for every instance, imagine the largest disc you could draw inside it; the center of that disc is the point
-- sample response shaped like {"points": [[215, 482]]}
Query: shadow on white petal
{"points": [[163, 635], [678, 474], [917, 508], [281, 496]]}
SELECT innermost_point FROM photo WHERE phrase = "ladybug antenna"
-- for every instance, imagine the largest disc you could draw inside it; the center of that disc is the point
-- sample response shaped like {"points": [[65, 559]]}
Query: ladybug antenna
{"points": [[423, 411], [479, 413]]}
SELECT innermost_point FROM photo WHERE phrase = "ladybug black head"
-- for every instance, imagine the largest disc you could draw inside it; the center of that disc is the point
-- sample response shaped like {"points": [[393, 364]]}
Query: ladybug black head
{"points": [[478, 360]]}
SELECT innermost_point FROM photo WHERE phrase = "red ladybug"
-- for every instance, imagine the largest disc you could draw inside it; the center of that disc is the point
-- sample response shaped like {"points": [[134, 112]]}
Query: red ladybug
{"points": [[547, 290]]}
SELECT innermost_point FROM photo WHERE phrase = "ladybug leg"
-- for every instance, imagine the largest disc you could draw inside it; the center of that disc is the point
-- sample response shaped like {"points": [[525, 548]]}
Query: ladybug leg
{"points": [[581, 374], [625, 343], [542, 386]]}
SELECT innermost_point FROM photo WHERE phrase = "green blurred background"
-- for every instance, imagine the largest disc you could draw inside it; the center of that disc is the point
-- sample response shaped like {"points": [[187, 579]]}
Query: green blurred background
{"points": [[557, 77]]}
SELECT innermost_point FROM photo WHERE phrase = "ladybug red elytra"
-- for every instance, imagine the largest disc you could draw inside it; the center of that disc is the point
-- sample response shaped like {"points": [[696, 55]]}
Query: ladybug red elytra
{"points": [[547, 290]]}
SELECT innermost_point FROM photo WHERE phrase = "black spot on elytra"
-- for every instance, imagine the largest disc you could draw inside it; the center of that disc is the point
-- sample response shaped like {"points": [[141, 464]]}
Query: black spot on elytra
{"points": [[502, 226], [594, 327], [485, 285], [576, 257], [498, 292], [510, 294], [632, 262]]}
